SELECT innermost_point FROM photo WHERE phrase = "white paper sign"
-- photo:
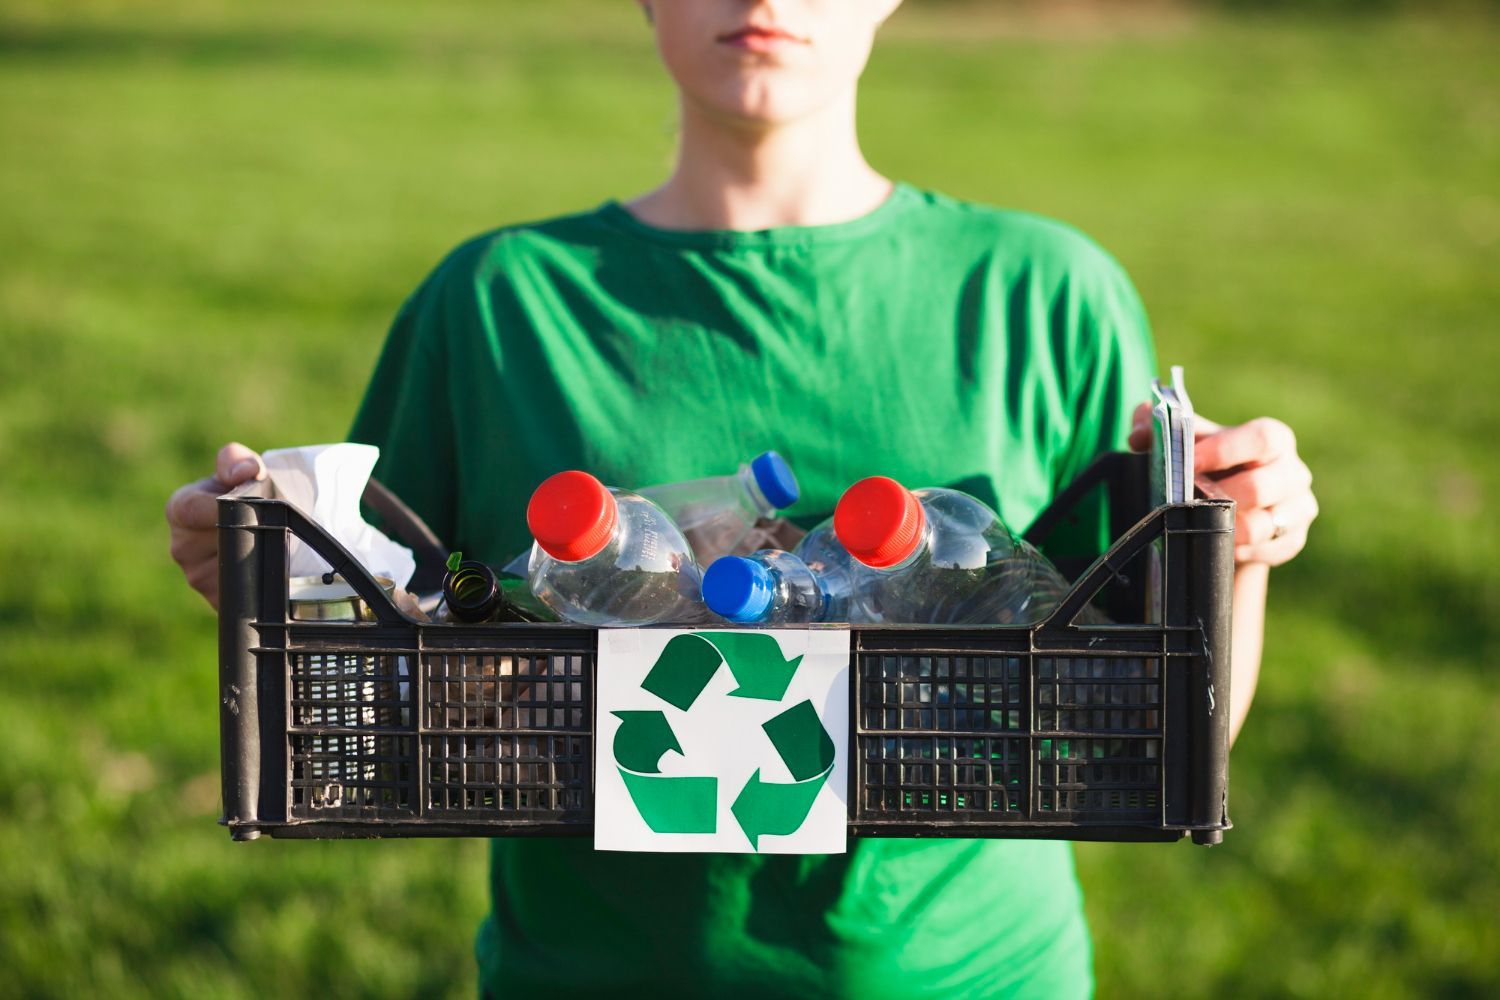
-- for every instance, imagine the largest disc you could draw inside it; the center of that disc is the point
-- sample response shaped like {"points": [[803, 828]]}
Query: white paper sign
{"points": [[733, 741]]}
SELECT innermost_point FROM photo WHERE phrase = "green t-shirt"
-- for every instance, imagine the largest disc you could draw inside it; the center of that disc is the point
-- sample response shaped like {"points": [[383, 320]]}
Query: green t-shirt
{"points": [[935, 341]]}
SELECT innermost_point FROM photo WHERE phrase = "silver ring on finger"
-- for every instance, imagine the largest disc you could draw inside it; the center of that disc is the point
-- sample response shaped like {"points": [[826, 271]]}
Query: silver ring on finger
{"points": [[1279, 525]]}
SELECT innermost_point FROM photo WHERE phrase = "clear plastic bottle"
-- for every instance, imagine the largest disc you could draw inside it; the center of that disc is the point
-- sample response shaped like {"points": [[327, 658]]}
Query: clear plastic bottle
{"points": [[771, 587], [1023, 589], [724, 515], [939, 556], [822, 552], [730, 515], [609, 557]]}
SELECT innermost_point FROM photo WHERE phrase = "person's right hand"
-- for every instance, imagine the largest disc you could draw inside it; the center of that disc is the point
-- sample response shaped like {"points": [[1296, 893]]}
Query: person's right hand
{"points": [[193, 515]]}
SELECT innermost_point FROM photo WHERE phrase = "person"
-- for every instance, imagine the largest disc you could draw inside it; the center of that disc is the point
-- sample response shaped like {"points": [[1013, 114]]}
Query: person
{"points": [[778, 291]]}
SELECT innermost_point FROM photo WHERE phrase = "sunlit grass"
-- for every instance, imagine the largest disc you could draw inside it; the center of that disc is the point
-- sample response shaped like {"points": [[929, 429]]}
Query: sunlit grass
{"points": [[212, 210]]}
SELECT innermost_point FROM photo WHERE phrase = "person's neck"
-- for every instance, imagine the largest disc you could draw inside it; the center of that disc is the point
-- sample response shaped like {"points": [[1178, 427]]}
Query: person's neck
{"points": [[737, 176]]}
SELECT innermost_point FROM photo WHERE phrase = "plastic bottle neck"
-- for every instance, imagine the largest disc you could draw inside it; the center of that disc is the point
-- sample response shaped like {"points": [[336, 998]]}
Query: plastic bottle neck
{"points": [[923, 546], [608, 555], [753, 493], [572, 515]]}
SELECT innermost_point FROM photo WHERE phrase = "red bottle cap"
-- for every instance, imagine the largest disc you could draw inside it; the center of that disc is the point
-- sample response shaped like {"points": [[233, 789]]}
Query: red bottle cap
{"points": [[879, 521], [572, 516]]}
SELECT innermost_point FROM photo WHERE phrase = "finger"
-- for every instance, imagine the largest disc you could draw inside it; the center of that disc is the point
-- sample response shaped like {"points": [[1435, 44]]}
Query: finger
{"points": [[1140, 428], [1257, 525], [1258, 442], [1275, 553], [1203, 427], [236, 464], [204, 578], [1141, 433], [189, 548], [193, 506], [1264, 485]]}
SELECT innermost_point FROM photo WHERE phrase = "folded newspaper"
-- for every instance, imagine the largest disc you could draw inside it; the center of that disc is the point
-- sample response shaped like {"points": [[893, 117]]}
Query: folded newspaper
{"points": [[1172, 450]]}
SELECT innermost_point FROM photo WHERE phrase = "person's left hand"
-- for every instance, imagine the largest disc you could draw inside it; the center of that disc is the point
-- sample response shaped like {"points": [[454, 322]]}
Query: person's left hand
{"points": [[1256, 465]]}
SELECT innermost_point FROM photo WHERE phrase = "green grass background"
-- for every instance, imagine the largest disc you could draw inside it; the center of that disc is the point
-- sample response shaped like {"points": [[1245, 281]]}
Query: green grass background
{"points": [[211, 210]]}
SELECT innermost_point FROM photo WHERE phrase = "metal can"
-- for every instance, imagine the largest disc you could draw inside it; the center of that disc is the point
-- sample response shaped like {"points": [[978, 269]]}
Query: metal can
{"points": [[328, 598]]}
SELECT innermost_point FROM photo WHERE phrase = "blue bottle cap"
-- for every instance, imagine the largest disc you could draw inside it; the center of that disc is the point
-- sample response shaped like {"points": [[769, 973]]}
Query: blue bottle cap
{"points": [[775, 479], [738, 589]]}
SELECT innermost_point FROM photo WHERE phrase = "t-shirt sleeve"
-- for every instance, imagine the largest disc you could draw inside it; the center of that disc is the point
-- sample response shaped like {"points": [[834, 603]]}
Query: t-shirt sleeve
{"points": [[1110, 361], [1111, 364], [407, 412]]}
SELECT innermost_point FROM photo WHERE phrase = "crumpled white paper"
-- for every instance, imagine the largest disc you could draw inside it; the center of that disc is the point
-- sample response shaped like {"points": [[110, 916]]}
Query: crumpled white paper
{"points": [[325, 482]]}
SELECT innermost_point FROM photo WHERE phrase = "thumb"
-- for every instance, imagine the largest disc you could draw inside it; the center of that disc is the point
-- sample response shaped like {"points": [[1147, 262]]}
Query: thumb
{"points": [[1203, 427], [1140, 428], [237, 464]]}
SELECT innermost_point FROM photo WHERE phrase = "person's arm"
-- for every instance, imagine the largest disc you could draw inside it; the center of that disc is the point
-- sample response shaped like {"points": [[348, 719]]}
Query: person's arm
{"points": [[1246, 636], [1255, 464]]}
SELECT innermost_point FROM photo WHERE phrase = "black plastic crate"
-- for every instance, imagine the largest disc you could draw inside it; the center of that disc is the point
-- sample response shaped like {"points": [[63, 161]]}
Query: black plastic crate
{"points": [[398, 728]]}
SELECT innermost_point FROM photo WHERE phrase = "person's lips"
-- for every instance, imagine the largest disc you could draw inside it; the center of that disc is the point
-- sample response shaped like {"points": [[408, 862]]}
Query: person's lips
{"points": [[761, 38]]}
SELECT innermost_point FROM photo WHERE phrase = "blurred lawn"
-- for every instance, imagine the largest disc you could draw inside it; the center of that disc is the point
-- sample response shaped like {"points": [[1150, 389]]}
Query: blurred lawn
{"points": [[211, 211]]}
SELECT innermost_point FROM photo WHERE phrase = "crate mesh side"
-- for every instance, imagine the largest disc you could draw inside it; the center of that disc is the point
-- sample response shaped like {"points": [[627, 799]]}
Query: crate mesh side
{"points": [[949, 737], [508, 774], [1104, 694], [349, 690], [1082, 776], [335, 777], [921, 775], [969, 694], [509, 735], [350, 753]]}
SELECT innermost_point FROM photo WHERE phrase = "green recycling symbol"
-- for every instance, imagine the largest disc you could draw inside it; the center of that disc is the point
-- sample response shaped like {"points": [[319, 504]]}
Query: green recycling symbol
{"points": [[671, 804]]}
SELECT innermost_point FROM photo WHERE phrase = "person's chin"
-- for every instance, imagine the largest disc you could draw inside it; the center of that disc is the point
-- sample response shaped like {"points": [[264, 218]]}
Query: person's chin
{"points": [[756, 104]]}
